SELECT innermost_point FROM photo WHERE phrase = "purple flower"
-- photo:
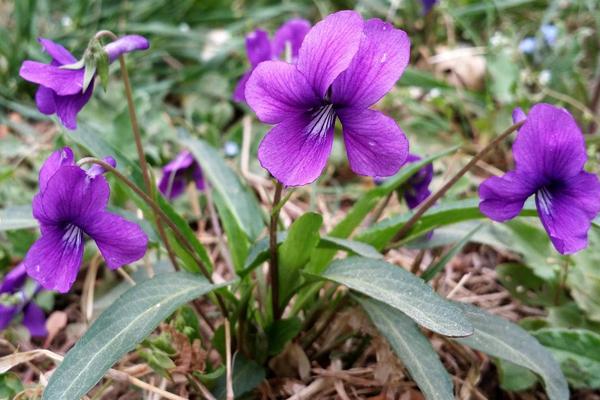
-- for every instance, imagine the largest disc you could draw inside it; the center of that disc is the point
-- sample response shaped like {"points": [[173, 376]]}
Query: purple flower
{"points": [[72, 202], [549, 154], [416, 189], [176, 175], [61, 90], [14, 300], [345, 65], [259, 48], [428, 5], [528, 45]]}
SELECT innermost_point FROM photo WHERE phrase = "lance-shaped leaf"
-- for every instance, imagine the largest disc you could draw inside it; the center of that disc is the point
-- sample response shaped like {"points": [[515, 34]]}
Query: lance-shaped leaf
{"points": [[131, 318], [412, 347], [500, 338], [241, 203], [402, 290]]}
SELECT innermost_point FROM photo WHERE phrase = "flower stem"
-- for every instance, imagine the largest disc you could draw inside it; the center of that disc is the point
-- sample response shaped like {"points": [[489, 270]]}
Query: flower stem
{"points": [[142, 158], [274, 264], [155, 208], [431, 200], [159, 214]]}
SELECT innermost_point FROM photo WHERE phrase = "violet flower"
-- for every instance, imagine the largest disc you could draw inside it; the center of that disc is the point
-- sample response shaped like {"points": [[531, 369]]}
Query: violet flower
{"points": [[177, 173], [549, 154], [345, 65], [61, 90], [259, 48], [14, 300], [428, 5], [416, 189], [72, 202]]}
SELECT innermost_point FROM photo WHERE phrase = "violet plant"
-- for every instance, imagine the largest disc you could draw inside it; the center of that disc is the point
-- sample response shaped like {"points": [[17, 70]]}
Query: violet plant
{"points": [[336, 71]]}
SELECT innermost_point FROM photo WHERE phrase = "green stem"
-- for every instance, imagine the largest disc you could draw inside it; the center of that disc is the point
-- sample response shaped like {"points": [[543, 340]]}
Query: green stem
{"points": [[274, 264], [431, 200], [159, 214], [137, 135], [155, 208]]}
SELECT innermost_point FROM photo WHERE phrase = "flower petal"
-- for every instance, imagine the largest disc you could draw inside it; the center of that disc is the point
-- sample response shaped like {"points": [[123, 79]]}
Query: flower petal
{"points": [[416, 189], [67, 107], [34, 320], [63, 81], [71, 196], [258, 47], [55, 258], [45, 100], [56, 160], [120, 241], [381, 58], [126, 44], [329, 48], [375, 144], [277, 91], [518, 115], [549, 146], [172, 185], [292, 32], [58, 53], [14, 280], [239, 93], [567, 210], [502, 198], [292, 154], [7, 313]]}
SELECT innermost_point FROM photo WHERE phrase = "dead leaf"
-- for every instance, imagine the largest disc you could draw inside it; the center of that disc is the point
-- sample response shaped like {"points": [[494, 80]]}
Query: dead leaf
{"points": [[54, 324]]}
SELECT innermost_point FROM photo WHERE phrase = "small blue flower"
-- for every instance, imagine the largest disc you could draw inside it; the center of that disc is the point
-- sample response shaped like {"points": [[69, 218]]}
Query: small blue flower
{"points": [[231, 149], [527, 45], [550, 33]]}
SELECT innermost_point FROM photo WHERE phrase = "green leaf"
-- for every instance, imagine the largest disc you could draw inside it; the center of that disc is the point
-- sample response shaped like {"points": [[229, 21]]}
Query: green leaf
{"points": [[281, 332], [402, 290], [295, 251], [444, 214], [584, 277], [361, 249], [88, 73], [246, 376], [241, 203], [237, 239], [17, 217], [120, 328], [513, 377], [365, 205], [412, 347], [102, 68], [441, 264], [577, 351], [503, 339], [259, 253]]}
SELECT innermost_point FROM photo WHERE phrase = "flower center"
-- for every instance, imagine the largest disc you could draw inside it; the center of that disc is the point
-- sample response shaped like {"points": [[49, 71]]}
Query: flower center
{"points": [[321, 120], [545, 199], [72, 236]]}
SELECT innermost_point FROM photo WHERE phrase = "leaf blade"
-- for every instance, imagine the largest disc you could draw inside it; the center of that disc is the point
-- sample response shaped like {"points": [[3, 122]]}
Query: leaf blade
{"points": [[412, 347], [500, 338], [402, 290], [124, 324]]}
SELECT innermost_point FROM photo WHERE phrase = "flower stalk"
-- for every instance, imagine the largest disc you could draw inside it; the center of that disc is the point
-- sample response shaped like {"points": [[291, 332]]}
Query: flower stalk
{"points": [[139, 146], [274, 261]]}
